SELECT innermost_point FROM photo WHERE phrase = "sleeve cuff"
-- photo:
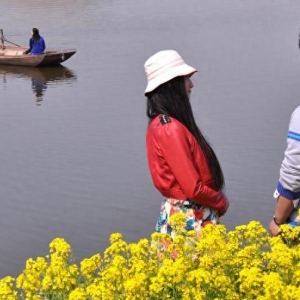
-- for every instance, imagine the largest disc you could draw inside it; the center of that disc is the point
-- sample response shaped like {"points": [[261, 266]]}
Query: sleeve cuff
{"points": [[286, 193]]}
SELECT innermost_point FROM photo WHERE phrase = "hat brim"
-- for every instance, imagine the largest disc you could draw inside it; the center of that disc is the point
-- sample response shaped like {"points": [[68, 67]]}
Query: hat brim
{"points": [[182, 70]]}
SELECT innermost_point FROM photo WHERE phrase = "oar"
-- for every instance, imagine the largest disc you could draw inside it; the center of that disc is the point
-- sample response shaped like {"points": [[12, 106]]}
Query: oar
{"points": [[4, 39]]}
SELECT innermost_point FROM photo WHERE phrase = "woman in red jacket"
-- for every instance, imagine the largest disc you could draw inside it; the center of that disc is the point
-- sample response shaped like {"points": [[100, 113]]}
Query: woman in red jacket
{"points": [[183, 166]]}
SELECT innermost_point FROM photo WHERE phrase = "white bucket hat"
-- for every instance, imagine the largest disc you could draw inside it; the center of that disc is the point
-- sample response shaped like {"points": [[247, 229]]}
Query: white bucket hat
{"points": [[164, 66]]}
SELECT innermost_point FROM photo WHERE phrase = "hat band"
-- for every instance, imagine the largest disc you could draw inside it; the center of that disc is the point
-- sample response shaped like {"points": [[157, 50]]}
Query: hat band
{"points": [[165, 69]]}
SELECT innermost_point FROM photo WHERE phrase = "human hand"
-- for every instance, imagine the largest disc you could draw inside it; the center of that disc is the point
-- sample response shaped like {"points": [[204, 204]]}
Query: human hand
{"points": [[225, 205], [274, 228]]}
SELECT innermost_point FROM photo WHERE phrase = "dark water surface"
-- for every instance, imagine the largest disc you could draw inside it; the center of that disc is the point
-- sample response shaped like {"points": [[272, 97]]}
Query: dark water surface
{"points": [[72, 155]]}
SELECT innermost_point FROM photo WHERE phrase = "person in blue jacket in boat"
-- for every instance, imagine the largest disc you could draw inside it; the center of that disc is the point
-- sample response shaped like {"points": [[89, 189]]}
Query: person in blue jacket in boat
{"points": [[36, 43]]}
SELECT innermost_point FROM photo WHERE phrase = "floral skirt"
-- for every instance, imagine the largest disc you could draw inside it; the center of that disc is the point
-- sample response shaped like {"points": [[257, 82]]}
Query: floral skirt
{"points": [[197, 216]]}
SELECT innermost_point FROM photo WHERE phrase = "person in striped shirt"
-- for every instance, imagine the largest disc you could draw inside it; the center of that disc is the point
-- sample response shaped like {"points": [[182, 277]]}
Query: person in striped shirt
{"points": [[287, 192]]}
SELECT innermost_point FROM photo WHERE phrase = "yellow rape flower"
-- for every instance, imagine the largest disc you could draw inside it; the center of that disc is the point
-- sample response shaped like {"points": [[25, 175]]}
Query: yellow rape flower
{"points": [[78, 294], [7, 291], [244, 263], [89, 266]]}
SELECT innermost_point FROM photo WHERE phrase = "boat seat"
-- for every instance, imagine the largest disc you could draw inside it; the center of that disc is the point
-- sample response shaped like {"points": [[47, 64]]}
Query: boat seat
{"points": [[13, 53]]}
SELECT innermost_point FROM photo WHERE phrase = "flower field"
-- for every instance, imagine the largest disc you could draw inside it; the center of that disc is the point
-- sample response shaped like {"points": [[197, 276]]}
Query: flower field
{"points": [[245, 263]]}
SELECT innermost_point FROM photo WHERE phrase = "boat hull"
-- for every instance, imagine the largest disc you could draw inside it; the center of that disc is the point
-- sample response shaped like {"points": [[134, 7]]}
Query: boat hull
{"points": [[14, 56]]}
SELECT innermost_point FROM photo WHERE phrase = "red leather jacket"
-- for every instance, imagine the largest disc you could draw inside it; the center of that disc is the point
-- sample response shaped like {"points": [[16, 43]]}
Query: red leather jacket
{"points": [[178, 166]]}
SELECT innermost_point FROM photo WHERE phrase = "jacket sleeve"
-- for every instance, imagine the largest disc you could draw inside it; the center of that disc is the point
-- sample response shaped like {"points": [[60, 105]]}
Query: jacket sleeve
{"points": [[289, 181], [30, 47], [30, 44], [175, 149]]}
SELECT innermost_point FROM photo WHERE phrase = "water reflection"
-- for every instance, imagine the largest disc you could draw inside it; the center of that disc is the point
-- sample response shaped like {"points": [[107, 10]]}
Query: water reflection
{"points": [[41, 78], [39, 85]]}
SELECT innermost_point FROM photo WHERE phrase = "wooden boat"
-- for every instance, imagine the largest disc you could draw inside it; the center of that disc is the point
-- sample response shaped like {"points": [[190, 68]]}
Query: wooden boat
{"points": [[13, 55]]}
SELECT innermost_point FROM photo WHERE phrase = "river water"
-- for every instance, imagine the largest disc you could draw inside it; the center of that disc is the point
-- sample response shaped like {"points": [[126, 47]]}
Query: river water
{"points": [[72, 155]]}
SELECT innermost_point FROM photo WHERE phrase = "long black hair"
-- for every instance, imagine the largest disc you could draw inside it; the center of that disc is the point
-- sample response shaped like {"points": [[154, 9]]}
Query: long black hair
{"points": [[171, 99], [36, 34]]}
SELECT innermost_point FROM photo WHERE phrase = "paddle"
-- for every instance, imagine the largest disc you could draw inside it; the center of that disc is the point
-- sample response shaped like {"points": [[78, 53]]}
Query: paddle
{"points": [[2, 38]]}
